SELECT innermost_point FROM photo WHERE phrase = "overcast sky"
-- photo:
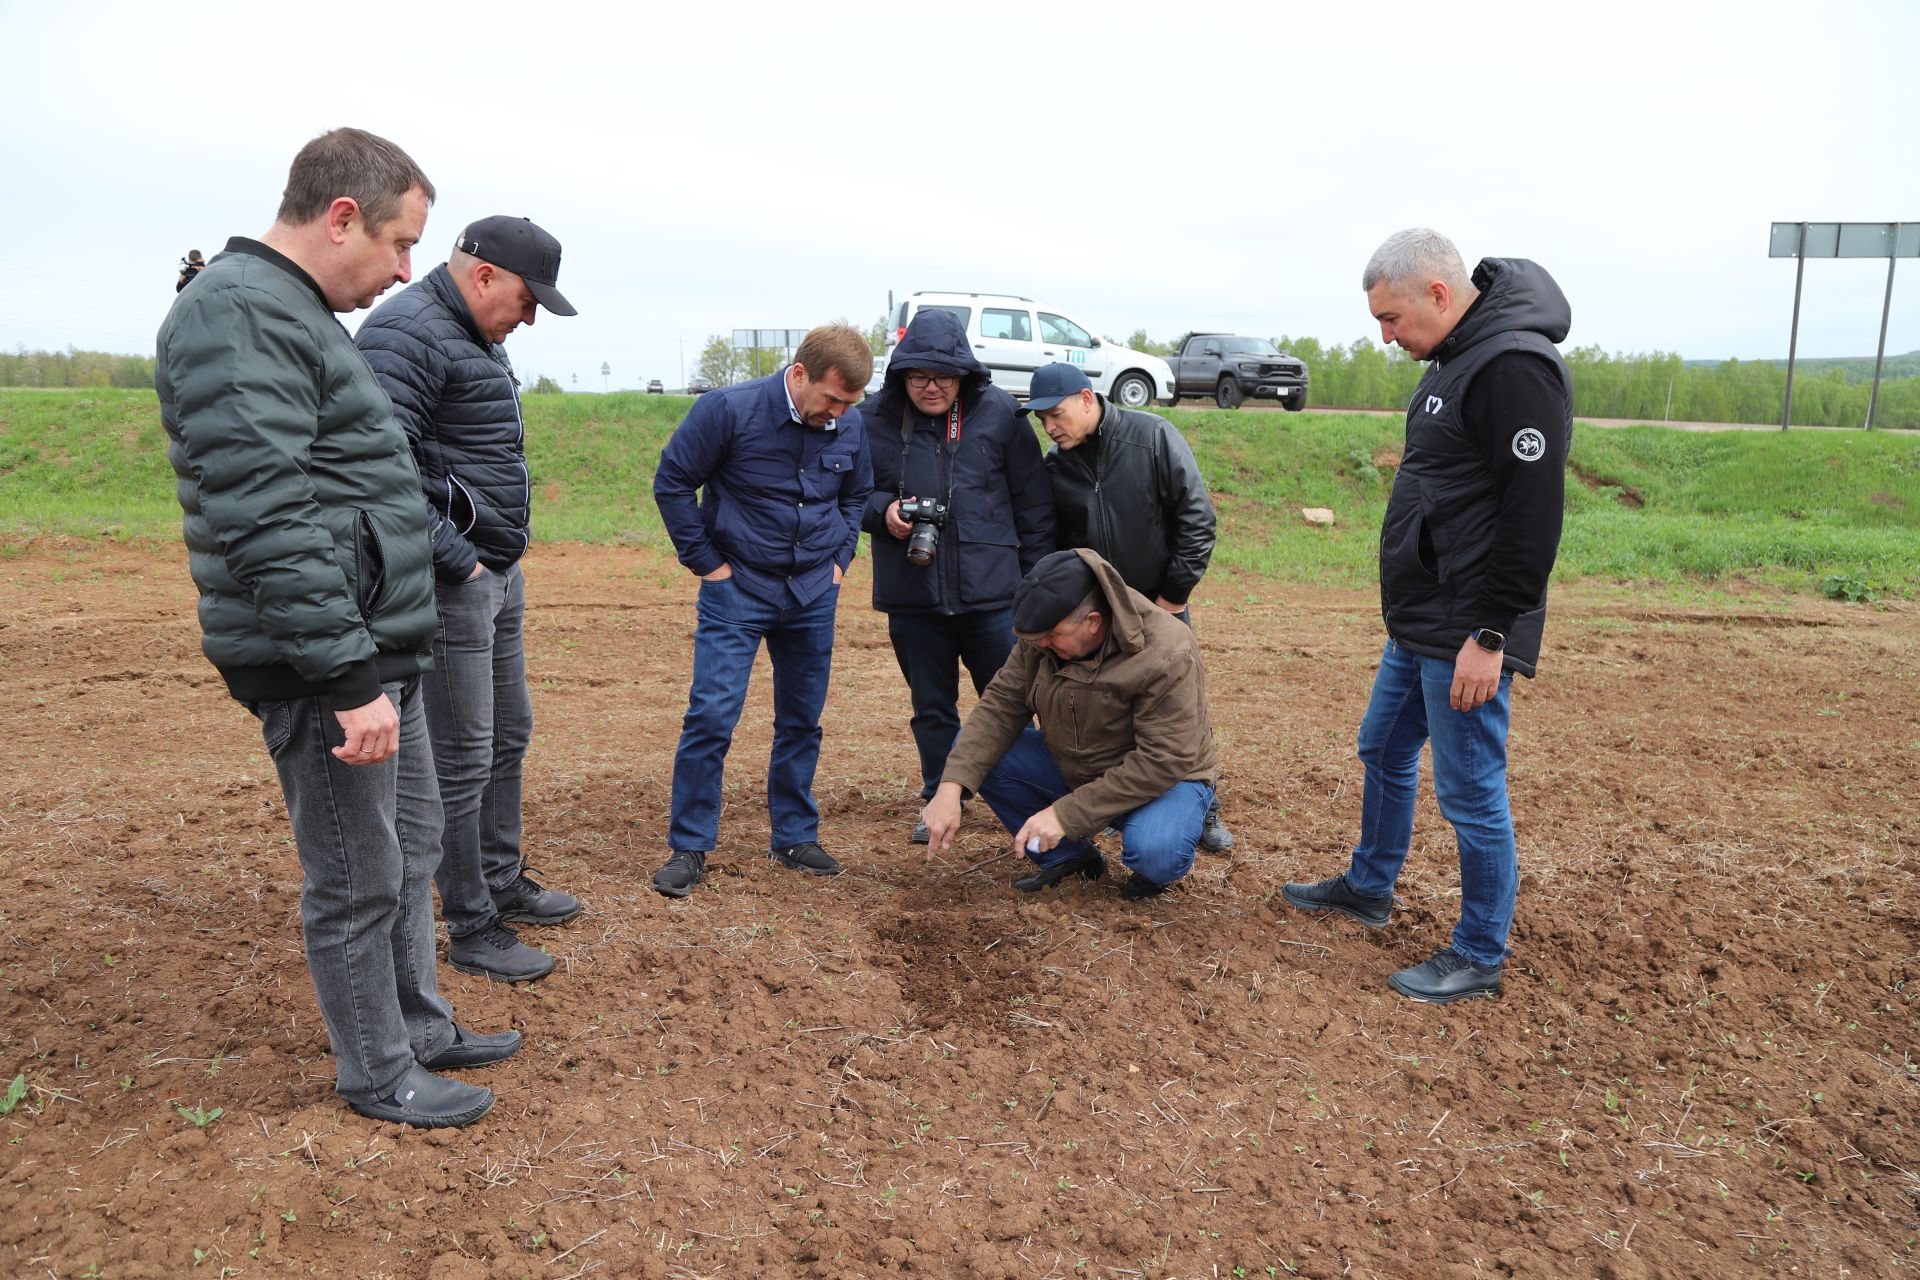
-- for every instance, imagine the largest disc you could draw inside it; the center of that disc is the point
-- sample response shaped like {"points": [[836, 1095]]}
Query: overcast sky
{"points": [[728, 165]]}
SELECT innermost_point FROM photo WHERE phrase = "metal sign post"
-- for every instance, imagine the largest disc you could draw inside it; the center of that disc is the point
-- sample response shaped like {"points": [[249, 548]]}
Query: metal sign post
{"points": [[1803, 240]]}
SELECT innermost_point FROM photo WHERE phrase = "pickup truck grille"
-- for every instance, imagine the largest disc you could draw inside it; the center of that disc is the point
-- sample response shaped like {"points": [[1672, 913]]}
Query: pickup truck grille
{"points": [[1279, 369]]}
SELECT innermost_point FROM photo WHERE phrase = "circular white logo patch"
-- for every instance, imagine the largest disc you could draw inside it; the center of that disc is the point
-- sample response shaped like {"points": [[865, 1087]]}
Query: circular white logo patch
{"points": [[1529, 445]]}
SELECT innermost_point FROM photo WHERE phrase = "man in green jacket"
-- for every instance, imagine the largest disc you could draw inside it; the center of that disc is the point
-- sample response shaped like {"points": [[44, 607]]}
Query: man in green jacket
{"points": [[1124, 738], [307, 538]]}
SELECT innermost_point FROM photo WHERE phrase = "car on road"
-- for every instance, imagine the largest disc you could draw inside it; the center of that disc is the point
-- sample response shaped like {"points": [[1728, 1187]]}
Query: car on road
{"points": [[656, 388], [1013, 336], [1230, 368], [696, 385]]}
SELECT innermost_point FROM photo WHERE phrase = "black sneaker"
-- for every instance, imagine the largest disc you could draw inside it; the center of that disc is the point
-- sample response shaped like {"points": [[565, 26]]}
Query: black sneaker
{"points": [[1447, 977], [1138, 887], [1088, 864], [1214, 836], [496, 952], [526, 902], [682, 872], [427, 1101], [808, 857], [1333, 895]]}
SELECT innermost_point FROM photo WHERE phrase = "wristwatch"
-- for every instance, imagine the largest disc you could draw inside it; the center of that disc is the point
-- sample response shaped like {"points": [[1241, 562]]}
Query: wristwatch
{"points": [[1489, 639]]}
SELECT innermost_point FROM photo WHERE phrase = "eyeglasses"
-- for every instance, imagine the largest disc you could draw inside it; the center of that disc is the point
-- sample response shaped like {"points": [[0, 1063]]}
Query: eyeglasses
{"points": [[921, 381]]}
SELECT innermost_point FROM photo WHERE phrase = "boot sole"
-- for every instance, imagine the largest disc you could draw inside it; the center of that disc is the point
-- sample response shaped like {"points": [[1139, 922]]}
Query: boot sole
{"points": [[1424, 998], [1372, 922], [527, 917], [497, 976]]}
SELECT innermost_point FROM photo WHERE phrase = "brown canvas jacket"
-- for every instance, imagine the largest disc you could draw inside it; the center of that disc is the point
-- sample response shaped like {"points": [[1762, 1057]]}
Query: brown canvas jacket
{"points": [[1123, 725]]}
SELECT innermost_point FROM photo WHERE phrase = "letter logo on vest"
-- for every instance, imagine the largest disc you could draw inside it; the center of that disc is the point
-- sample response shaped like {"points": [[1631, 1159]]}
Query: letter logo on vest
{"points": [[1435, 404], [1529, 445]]}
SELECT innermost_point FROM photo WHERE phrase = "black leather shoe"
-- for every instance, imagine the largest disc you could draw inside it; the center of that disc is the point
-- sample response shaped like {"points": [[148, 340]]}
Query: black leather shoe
{"points": [[427, 1101], [682, 872], [1214, 836], [496, 952], [1447, 977], [808, 857], [525, 902], [1333, 895], [471, 1049], [1138, 887], [1088, 864]]}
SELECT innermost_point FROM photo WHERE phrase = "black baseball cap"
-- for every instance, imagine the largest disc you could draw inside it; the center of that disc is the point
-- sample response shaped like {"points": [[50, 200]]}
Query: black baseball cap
{"points": [[1053, 383], [517, 245]]}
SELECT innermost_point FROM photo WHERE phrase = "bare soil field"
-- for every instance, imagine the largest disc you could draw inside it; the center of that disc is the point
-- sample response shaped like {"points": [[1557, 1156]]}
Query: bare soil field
{"points": [[1704, 1063]]}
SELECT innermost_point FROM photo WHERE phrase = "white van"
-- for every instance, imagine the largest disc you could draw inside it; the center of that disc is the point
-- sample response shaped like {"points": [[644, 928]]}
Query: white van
{"points": [[1013, 336]]}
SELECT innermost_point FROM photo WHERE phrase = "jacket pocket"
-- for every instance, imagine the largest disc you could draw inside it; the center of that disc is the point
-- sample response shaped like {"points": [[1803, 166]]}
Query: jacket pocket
{"points": [[824, 478], [372, 562], [462, 510]]}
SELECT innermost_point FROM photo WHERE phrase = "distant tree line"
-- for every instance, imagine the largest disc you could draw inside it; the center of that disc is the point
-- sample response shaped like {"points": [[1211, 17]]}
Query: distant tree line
{"points": [[1656, 386], [73, 368]]}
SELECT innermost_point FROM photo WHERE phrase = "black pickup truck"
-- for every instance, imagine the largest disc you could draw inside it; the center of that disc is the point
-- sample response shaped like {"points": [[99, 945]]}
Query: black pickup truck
{"points": [[1228, 369]]}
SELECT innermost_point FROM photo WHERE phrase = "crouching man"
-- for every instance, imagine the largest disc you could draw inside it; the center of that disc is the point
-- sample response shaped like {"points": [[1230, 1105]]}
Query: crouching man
{"points": [[1124, 738]]}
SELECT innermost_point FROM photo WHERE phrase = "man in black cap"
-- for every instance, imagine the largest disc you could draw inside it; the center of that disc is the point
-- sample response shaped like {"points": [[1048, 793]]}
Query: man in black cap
{"points": [[1125, 483], [436, 349], [1124, 738]]}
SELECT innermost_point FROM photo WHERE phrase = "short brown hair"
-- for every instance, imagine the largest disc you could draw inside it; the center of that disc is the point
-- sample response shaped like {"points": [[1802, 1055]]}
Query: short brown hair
{"points": [[367, 168], [839, 347]]}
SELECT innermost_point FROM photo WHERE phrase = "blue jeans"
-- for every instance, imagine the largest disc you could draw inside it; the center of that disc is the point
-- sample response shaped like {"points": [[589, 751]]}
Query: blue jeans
{"points": [[930, 648], [799, 638], [1409, 708], [369, 840], [480, 717], [1156, 840]]}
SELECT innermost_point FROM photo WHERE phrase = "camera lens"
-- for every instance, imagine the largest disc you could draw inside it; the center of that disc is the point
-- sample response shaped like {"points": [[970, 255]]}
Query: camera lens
{"points": [[920, 546]]}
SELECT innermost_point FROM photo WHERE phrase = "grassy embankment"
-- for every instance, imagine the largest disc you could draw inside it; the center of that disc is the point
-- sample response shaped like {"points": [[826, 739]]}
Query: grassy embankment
{"points": [[1805, 511]]}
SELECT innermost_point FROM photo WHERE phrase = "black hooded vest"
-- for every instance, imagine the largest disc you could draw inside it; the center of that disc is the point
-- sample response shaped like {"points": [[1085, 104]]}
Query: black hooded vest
{"points": [[1442, 512]]}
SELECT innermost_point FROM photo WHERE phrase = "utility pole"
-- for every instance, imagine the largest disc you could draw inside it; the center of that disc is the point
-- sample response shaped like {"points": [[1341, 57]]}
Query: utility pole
{"points": [[606, 370]]}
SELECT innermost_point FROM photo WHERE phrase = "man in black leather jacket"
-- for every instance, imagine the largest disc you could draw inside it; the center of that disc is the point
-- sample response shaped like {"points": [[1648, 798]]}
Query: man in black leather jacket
{"points": [[1125, 484], [436, 349]]}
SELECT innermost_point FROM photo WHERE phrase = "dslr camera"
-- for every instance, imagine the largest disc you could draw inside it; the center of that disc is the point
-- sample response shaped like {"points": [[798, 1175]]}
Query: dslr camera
{"points": [[926, 515]]}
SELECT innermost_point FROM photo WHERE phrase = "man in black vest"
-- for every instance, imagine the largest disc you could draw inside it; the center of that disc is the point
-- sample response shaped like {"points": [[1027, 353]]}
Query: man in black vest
{"points": [[1471, 530]]}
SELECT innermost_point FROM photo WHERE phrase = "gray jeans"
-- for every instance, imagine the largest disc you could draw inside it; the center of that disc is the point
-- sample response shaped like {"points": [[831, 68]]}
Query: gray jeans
{"points": [[481, 719], [369, 839]]}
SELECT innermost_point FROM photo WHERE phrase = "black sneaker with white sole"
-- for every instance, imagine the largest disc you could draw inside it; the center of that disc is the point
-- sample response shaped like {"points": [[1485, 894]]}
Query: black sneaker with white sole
{"points": [[808, 857]]}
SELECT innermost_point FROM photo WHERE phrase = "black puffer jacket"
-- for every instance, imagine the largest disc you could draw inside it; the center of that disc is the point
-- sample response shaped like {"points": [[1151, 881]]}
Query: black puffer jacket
{"points": [[1133, 493], [1001, 522], [455, 395]]}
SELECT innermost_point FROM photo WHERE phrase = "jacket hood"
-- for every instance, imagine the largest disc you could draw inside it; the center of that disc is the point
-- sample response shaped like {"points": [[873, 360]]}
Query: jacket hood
{"points": [[1127, 625], [937, 342], [1515, 294]]}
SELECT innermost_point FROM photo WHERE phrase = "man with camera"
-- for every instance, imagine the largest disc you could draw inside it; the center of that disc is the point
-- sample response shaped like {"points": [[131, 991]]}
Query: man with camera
{"points": [[960, 511], [1125, 484], [1124, 738], [761, 488]]}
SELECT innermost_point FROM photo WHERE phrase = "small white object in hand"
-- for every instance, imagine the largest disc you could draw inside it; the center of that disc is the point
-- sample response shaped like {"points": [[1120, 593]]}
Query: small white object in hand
{"points": [[1033, 844]]}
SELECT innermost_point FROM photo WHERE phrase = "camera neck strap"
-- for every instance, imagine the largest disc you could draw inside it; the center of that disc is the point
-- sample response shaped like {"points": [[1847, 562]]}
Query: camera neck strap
{"points": [[952, 442]]}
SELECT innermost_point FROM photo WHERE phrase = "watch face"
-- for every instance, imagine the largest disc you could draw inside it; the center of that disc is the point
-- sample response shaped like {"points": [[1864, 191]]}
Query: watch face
{"points": [[1490, 640]]}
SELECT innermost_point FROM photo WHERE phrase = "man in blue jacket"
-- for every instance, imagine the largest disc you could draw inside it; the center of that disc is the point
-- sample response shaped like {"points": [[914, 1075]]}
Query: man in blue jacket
{"points": [[1466, 548], [436, 349], [960, 511], [780, 466]]}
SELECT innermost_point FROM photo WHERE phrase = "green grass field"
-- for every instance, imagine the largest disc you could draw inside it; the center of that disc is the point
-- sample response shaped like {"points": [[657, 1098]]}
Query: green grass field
{"points": [[1816, 511]]}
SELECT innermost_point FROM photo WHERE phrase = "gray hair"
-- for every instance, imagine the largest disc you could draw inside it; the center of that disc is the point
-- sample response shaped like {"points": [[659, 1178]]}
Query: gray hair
{"points": [[1415, 256]]}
